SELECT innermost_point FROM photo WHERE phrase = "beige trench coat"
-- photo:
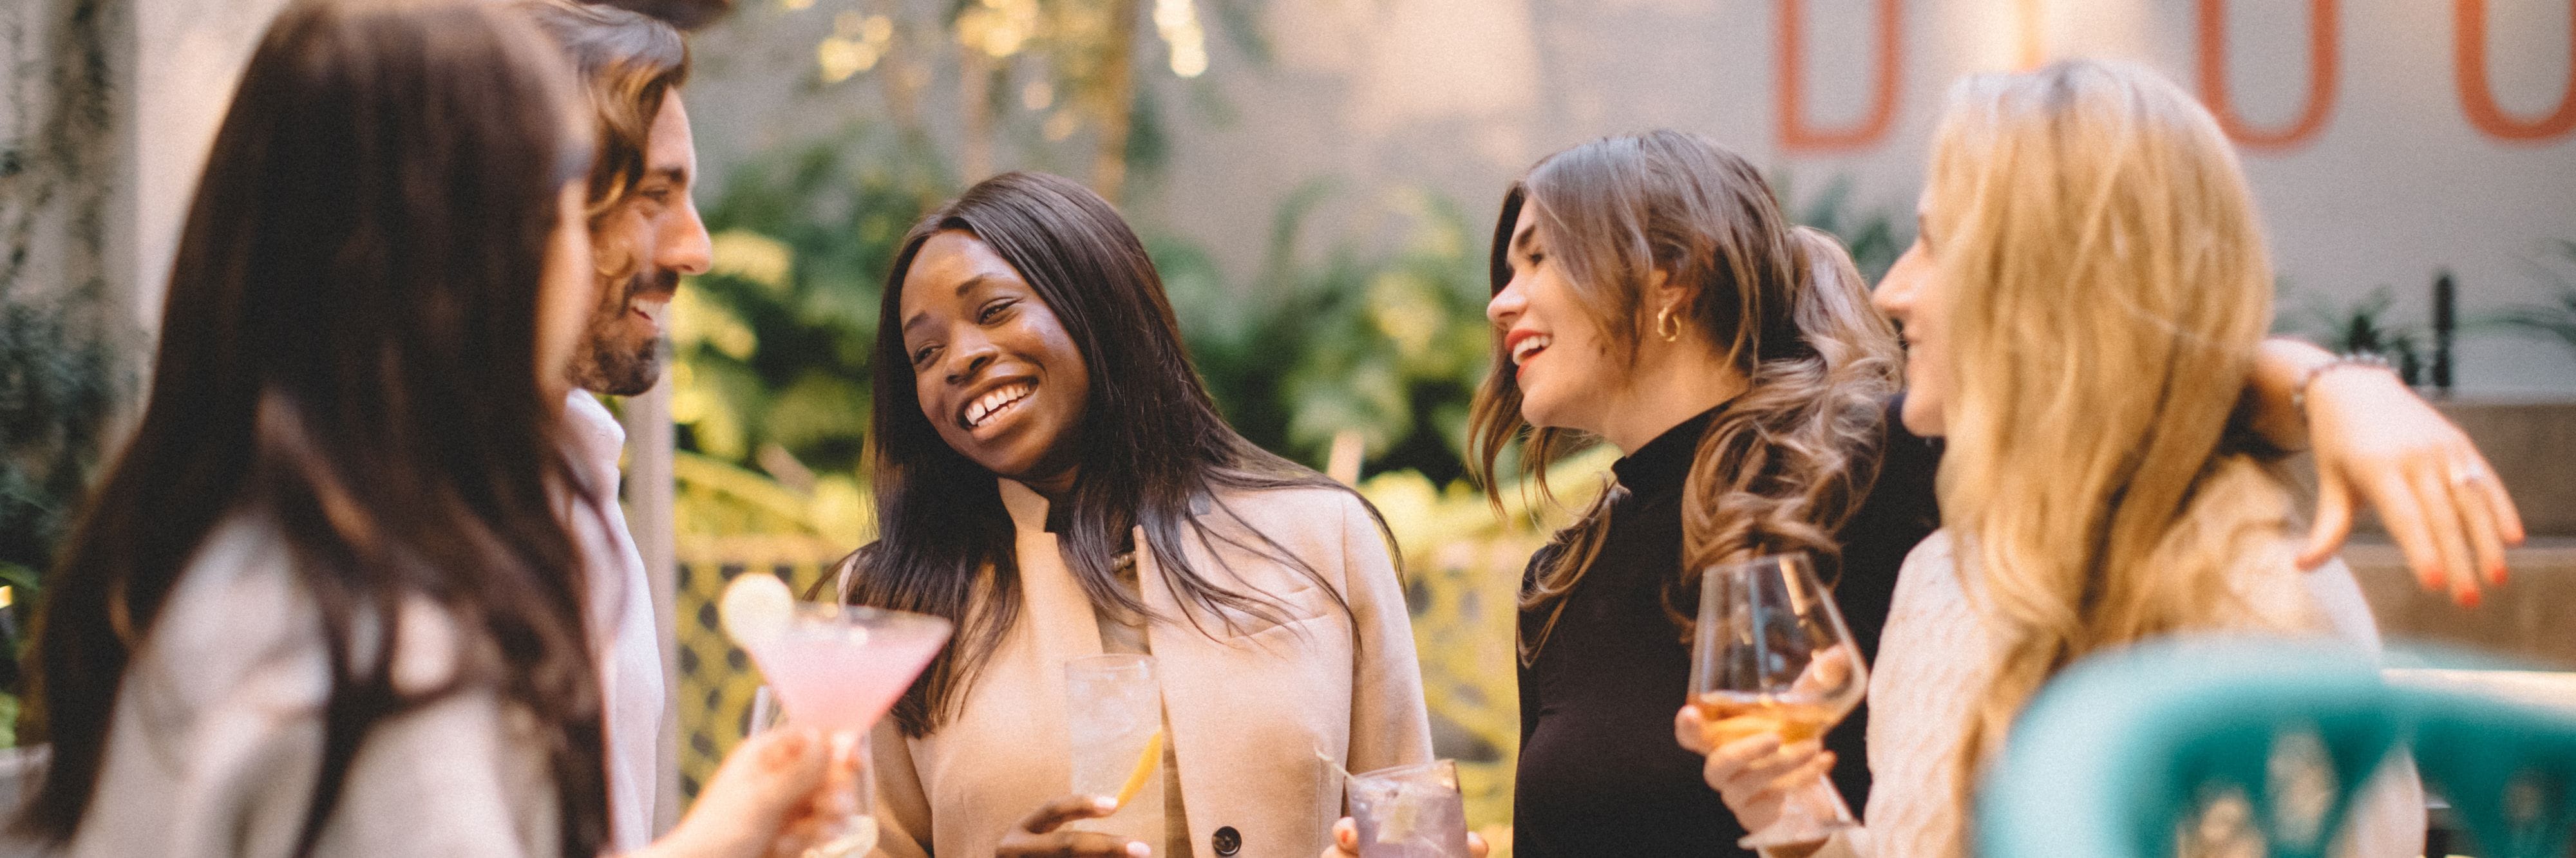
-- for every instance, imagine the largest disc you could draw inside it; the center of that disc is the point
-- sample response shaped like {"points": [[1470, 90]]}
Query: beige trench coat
{"points": [[1249, 710]]}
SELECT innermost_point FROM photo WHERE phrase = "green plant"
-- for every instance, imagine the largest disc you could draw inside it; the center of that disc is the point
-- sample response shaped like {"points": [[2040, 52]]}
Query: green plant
{"points": [[1875, 235], [2554, 320], [2364, 327], [58, 389], [1390, 347]]}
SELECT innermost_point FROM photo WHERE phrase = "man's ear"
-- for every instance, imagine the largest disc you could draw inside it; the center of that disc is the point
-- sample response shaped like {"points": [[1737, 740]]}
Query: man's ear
{"points": [[612, 255]]}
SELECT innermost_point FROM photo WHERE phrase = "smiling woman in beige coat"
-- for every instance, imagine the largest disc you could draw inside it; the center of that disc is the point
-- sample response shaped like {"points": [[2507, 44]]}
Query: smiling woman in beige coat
{"points": [[1051, 477]]}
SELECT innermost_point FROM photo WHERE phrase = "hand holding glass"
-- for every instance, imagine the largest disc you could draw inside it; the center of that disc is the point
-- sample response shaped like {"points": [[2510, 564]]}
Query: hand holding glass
{"points": [[1771, 655], [1410, 812], [1114, 720], [837, 668]]}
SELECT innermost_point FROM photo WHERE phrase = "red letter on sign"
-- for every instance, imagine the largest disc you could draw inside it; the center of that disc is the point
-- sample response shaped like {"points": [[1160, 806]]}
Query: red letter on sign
{"points": [[2322, 58], [1795, 136], [2477, 96]]}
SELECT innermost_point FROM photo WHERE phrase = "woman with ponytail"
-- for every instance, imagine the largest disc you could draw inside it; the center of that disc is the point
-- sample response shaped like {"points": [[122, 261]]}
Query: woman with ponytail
{"points": [[2086, 304]]}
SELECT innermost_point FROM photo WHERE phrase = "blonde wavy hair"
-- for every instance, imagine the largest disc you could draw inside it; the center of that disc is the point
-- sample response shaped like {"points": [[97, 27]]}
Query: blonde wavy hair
{"points": [[1788, 461], [2107, 287]]}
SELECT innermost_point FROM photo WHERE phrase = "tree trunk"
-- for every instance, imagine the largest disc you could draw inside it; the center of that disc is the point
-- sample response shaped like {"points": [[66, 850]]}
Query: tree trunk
{"points": [[974, 85], [1115, 100]]}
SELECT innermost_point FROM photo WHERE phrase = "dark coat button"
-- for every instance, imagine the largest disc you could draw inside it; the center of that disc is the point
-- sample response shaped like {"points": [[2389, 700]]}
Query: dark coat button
{"points": [[1227, 841]]}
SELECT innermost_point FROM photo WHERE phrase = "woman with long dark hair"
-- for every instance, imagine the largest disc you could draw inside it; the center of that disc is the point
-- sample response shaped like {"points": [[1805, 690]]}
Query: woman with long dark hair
{"points": [[326, 601], [1051, 476]]}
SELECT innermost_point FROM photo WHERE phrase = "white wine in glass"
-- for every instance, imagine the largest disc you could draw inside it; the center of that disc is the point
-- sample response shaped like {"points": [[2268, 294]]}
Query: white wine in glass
{"points": [[1771, 655]]}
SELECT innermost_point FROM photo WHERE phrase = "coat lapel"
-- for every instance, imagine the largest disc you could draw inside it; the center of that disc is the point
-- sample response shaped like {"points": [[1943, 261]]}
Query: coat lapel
{"points": [[1242, 765]]}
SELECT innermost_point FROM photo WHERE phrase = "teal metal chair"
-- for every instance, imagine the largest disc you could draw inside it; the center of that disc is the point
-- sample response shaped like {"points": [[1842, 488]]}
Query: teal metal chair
{"points": [[2509, 772], [2119, 750]]}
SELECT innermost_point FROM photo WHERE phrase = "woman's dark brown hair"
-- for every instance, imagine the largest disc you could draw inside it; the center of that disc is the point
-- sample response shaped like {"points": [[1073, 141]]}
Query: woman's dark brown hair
{"points": [[348, 354], [1152, 450], [1788, 461]]}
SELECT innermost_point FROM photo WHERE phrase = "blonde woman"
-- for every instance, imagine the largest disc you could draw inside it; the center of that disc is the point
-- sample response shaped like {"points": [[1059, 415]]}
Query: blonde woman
{"points": [[2085, 303]]}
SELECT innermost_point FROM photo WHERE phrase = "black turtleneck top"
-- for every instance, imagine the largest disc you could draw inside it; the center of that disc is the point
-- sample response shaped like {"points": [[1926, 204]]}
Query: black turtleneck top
{"points": [[1599, 772]]}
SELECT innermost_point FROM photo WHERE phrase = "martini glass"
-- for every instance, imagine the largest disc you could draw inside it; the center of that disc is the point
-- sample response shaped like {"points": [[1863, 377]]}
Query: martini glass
{"points": [[838, 668], [1772, 655]]}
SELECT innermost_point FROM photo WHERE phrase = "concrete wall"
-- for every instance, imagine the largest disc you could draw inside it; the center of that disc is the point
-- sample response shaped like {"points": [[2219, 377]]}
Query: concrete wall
{"points": [[107, 108], [64, 88], [191, 58]]}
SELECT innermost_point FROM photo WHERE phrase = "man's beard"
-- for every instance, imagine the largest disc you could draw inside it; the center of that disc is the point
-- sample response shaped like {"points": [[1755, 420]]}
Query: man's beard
{"points": [[603, 364]]}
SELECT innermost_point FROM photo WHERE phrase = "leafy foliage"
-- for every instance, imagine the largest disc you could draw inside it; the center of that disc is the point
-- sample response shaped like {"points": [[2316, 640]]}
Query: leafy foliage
{"points": [[1388, 346], [2364, 327], [2554, 320], [57, 389], [59, 385], [1875, 236]]}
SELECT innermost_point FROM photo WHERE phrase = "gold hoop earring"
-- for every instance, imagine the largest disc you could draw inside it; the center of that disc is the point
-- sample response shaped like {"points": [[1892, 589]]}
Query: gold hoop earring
{"points": [[1666, 326]]}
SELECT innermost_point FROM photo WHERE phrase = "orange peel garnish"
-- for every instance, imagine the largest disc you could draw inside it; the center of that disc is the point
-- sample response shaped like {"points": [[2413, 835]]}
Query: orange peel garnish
{"points": [[1146, 763]]}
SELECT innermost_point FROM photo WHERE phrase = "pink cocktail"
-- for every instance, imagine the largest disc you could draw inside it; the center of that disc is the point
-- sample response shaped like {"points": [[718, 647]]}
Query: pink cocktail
{"points": [[838, 669]]}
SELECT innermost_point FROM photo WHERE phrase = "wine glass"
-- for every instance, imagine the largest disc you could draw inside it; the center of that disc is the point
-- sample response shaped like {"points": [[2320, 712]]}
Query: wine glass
{"points": [[1772, 655]]}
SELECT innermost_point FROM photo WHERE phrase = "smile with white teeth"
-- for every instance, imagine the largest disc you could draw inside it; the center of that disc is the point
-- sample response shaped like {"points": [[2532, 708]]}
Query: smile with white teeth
{"points": [[984, 407], [1529, 346]]}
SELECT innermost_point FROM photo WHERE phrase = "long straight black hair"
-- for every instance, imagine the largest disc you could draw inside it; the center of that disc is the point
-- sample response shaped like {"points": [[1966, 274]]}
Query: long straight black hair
{"points": [[349, 353], [1152, 449]]}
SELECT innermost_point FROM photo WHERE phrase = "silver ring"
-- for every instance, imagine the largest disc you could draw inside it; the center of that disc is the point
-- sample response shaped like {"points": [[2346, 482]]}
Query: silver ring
{"points": [[2469, 474]]}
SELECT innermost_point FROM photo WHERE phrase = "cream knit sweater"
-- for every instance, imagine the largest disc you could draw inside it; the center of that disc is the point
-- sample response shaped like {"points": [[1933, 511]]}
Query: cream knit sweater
{"points": [[1937, 655]]}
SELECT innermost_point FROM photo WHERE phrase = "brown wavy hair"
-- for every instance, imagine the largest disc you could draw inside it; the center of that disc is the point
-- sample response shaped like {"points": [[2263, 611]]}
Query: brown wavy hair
{"points": [[627, 63], [1788, 461]]}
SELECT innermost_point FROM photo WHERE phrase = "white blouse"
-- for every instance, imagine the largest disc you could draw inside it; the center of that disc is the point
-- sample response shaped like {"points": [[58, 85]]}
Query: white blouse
{"points": [[625, 639]]}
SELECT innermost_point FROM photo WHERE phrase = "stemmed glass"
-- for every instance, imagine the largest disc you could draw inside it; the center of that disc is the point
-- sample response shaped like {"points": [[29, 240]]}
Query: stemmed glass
{"points": [[1772, 655], [837, 668]]}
